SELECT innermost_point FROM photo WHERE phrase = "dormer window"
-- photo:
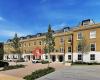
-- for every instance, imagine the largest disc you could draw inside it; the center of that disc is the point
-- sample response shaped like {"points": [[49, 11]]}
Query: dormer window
{"points": [[66, 29], [28, 36], [87, 22], [38, 34]]}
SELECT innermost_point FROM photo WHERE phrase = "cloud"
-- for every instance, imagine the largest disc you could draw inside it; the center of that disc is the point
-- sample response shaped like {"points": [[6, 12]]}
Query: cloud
{"points": [[59, 25], [2, 19], [9, 33]]}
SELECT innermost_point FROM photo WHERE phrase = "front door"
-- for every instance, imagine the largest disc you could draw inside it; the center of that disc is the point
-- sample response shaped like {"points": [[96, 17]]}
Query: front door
{"points": [[61, 58]]}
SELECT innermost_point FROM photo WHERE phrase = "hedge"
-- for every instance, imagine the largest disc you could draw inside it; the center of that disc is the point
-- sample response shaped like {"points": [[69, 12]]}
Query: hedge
{"points": [[39, 73], [13, 67]]}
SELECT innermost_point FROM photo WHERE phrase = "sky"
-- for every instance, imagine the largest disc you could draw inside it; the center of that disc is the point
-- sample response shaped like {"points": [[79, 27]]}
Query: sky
{"points": [[26, 17]]}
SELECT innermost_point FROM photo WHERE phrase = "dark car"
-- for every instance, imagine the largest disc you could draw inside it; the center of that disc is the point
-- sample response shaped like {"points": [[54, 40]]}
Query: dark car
{"points": [[3, 64]]}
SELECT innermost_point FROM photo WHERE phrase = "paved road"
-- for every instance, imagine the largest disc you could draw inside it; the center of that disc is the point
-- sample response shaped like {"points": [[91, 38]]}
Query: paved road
{"points": [[75, 73]]}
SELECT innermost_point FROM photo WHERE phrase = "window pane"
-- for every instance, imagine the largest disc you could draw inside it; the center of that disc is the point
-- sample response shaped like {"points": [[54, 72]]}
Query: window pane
{"points": [[79, 35], [79, 48], [69, 38], [93, 34], [79, 57], [93, 47], [69, 49], [92, 56], [69, 57]]}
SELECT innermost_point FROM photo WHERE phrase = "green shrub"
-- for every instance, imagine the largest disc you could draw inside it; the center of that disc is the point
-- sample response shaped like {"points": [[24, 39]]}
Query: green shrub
{"points": [[39, 73], [85, 63], [13, 67], [44, 62]]}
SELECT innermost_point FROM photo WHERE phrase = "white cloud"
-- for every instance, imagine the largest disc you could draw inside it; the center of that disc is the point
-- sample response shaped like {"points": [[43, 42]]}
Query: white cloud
{"points": [[9, 33], [2, 19], [59, 25]]}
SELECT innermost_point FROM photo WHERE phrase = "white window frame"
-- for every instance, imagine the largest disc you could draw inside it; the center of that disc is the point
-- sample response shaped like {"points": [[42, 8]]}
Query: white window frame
{"points": [[78, 57], [92, 59], [92, 34], [68, 57]]}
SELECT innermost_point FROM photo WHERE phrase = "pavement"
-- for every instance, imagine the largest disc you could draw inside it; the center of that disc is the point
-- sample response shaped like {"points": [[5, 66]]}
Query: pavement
{"points": [[85, 72], [75, 72], [8, 77], [29, 68]]}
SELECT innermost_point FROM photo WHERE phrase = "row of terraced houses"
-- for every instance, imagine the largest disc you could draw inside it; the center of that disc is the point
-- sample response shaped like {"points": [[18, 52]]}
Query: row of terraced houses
{"points": [[66, 39]]}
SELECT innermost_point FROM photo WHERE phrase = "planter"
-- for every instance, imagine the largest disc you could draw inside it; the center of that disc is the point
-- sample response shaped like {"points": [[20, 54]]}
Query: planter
{"points": [[68, 64]]}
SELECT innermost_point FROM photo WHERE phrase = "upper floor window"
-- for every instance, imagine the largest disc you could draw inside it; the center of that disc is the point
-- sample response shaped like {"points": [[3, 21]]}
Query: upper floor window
{"points": [[34, 43], [79, 48], [29, 44], [40, 42], [92, 34], [79, 35], [20, 45], [69, 38], [69, 49], [25, 45], [93, 46], [62, 49], [62, 40]]}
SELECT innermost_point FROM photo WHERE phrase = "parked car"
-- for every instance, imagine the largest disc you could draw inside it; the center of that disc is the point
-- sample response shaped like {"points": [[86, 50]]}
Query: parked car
{"points": [[36, 61], [3, 64]]}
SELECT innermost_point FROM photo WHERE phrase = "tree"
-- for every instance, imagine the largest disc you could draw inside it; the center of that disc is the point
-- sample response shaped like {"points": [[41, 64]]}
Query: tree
{"points": [[49, 42], [1, 50], [16, 45], [83, 47]]}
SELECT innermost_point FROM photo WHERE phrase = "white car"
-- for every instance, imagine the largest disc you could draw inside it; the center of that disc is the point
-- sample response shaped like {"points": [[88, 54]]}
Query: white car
{"points": [[36, 61]]}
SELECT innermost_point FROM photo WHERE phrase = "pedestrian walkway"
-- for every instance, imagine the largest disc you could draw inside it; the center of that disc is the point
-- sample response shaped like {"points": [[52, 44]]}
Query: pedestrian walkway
{"points": [[7, 77], [75, 73], [29, 68]]}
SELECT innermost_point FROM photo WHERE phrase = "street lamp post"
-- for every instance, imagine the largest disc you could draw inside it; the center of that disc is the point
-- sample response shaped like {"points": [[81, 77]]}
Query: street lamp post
{"points": [[64, 47]]}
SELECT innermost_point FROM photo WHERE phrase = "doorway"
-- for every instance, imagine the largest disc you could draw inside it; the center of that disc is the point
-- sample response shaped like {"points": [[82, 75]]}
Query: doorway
{"points": [[61, 58], [53, 58]]}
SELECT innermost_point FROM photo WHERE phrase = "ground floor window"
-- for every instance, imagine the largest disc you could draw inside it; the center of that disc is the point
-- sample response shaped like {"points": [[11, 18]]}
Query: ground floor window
{"points": [[7, 57], [46, 57], [15, 56], [69, 57], [79, 57], [92, 56]]}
